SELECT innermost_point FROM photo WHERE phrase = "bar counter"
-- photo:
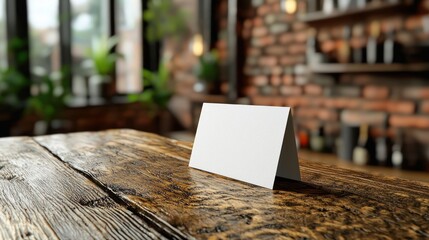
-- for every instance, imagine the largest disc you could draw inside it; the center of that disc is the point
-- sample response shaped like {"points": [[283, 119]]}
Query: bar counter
{"points": [[126, 184]]}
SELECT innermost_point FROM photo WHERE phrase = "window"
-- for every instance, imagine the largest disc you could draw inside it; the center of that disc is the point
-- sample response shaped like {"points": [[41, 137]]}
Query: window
{"points": [[44, 36], [129, 31], [90, 21], [3, 35]]}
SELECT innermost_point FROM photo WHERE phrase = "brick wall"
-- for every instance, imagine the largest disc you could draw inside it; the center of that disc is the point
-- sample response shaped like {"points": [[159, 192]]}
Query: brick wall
{"points": [[275, 75]]}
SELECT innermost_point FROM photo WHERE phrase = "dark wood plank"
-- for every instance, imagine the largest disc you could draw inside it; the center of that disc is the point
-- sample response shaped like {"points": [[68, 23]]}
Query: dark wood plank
{"points": [[151, 173], [42, 198]]}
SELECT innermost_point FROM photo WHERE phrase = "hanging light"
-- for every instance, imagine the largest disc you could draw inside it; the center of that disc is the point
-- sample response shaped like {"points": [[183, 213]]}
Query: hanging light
{"points": [[289, 6], [197, 45]]}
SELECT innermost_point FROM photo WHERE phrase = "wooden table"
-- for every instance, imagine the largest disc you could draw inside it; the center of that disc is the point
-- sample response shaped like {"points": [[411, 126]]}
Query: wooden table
{"points": [[132, 185]]}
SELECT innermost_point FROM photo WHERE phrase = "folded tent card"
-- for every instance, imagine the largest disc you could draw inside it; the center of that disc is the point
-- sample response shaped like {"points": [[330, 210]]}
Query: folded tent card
{"points": [[253, 144]]}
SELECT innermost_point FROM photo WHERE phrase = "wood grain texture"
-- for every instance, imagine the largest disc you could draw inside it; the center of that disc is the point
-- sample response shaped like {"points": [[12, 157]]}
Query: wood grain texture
{"points": [[42, 198], [151, 173]]}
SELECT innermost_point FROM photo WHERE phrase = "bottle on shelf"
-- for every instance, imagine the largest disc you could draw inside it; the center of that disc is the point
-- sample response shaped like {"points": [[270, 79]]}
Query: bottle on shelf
{"points": [[303, 139], [374, 50], [392, 49], [345, 4], [361, 3], [313, 6], [328, 6], [360, 153], [343, 47], [381, 147], [358, 44], [397, 156], [412, 150], [314, 55], [317, 140]]}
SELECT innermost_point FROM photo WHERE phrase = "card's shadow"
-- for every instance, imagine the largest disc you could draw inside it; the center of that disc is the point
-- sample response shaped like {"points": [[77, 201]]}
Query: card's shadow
{"points": [[288, 185]]}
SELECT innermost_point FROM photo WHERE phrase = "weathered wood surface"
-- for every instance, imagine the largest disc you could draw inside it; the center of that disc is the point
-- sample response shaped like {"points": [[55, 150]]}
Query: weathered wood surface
{"points": [[42, 198], [151, 174]]}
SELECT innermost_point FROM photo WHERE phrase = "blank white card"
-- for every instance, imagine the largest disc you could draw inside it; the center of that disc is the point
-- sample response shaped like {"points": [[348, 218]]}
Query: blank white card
{"points": [[248, 143]]}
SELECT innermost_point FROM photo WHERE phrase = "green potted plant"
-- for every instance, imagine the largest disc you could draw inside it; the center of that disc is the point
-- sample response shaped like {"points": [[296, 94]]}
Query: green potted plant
{"points": [[207, 72], [13, 87], [103, 61], [157, 90], [50, 93], [156, 96]]}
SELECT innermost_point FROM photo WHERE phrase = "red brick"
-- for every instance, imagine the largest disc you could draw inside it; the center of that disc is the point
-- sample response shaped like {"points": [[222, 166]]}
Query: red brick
{"points": [[309, 124], [261, 100], [260, 80], [247, 24], [264, 9], [293, 101], [251, 61], [304, 112], [268, 61], [329, 102], [306, 101], [245, 33], [276, 70], [374, 105], [263, 41], [276, 50], [363, 117], [347, 103], [327, 115], [259, 31], [276, 80], [268, 40], [317, 102], [416, 92], [352, 102], [406, 107], [258, 21], [290, 90], [299, 59], [322, 114], [409, 121], [300, 37], [424, 107], [297, 49], [253, 51], [287, 60], [288, 80], [278, 101], [250, 91], [347, 91], [313, 89], [375, 92], [301, 80], [296, 26], [286, 38], [276, 7]]}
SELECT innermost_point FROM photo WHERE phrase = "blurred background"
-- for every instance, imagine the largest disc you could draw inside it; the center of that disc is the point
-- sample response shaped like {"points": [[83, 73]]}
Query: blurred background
{"points": [[355, 72]]}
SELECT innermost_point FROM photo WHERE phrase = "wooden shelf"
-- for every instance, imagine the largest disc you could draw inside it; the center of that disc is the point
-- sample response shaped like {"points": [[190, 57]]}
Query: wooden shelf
{"points": [[368, 68], [357, 14]]}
